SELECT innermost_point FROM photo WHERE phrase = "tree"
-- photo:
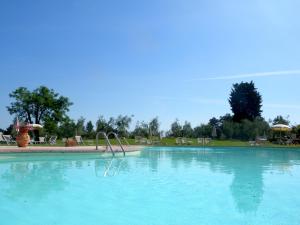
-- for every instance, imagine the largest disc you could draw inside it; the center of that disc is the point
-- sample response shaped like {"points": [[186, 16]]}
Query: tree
{"points": [[214, 122], [50, 126], [122, 124], [280, 120], [141, 129], [204, 130], [90, 133], [80, 128], [154, 127], [67, 128], [215, 125], [176, 129], [245, 101], [38, 105], [106, 126], [187, 130], [297, 130]]}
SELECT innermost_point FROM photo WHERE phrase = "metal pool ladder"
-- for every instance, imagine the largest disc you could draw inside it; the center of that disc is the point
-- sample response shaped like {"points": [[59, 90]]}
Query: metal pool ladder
{"points": [[108, 144]]}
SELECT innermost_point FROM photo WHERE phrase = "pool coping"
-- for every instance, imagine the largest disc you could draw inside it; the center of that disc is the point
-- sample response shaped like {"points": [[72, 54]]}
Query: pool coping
{"points": [[79, 149]]}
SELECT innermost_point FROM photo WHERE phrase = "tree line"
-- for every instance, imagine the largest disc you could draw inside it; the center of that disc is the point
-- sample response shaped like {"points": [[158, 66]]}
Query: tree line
{"points": [[45, 106]]}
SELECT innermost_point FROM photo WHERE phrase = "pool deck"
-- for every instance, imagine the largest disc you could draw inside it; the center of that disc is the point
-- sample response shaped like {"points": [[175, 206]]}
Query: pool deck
{"points": [[79, 149]]}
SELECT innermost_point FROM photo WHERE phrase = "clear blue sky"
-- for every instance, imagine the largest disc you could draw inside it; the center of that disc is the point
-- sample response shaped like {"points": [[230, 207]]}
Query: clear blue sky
{"points": [[166, 58]]}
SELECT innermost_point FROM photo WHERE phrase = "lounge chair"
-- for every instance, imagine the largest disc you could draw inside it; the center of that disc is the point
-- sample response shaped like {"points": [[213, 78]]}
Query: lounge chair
{"points": [[200, 141], [207, 140], [203, 141], [183, 141], [253, 143], [79, 140], [52, 140], [143, 141], [156, 140], [189, 141], [261, 140], [186, 141], [2, 140], [9, 140], [137, 139], [42, 140], [178, 141]]}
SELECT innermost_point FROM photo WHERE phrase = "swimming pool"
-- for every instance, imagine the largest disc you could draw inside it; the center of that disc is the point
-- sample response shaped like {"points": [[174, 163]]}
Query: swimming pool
{"points": [[158, 186]]}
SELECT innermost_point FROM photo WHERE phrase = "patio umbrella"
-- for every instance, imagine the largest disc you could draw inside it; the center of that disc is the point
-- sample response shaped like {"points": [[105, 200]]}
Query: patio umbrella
{"points": [[281, 127]]}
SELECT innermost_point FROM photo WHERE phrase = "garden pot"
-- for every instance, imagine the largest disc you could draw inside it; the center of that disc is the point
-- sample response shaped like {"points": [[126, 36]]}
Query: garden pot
{"points": [[23, 137], [70, 143]]}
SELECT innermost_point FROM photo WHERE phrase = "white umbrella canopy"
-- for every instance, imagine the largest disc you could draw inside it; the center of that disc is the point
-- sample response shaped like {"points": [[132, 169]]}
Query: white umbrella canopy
{"points": [[37, 126], [281, 127]]}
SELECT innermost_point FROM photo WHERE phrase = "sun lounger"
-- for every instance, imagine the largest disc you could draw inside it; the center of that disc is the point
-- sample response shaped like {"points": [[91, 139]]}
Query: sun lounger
{"points": [[189, 141], [253, 143], [79, 140], [137, 139], [9, 140], [200, 141], [42, 140], [178, 141], [207, 140], [2, 140], [143, 141], [52, 140], [156, 141]]}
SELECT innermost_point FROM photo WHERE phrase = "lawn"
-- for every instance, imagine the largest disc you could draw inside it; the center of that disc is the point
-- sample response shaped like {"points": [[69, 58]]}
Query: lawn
{"points": [[172, 142]]}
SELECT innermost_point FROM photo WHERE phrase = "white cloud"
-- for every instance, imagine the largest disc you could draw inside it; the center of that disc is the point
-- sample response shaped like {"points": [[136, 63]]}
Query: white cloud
{"points": [[252, 75]]}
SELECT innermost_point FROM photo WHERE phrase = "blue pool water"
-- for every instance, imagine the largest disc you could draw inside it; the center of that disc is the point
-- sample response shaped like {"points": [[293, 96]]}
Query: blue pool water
{"points": [[158, 186]]}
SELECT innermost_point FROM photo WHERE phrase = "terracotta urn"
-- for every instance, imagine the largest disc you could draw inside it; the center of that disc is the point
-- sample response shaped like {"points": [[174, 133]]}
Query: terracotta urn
{"points": [[23, 137], [70, 142]]}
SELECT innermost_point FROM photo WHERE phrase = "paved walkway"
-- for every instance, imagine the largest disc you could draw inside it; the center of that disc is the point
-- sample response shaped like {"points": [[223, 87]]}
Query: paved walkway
{"points": [[14, 149]]}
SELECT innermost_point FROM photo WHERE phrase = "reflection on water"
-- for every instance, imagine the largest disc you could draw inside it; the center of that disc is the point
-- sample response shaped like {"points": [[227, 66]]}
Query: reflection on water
{"points": [[33, 179], [36, 178], [113, 166], [246, 165]]}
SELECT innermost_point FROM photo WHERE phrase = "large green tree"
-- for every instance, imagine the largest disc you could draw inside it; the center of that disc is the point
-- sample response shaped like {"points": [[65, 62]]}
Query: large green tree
{"points": [[141, 129], [38, 106], [154, 127], [245, 101], [90, 133], [187, 130], [122, 124], [176, 129], [80, 127]]}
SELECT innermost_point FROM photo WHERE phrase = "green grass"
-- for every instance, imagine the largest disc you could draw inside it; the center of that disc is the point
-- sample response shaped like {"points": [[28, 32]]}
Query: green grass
{"points": [[213, 143], [172, 142]]}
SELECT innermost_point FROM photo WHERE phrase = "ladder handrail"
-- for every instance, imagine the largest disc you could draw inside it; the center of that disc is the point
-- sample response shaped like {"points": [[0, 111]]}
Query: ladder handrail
{"points": [[118, 140], [107, 141]]}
